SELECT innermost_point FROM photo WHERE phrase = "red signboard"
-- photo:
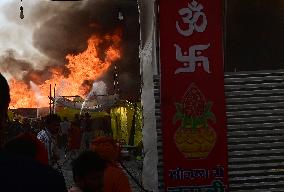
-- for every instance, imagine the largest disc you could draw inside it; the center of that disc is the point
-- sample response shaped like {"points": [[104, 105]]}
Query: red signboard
{"points": [[192, 96]]}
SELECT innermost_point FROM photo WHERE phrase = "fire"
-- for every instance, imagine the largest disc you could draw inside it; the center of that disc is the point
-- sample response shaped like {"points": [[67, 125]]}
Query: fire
{"points": [[85, 66], [21, 95]]}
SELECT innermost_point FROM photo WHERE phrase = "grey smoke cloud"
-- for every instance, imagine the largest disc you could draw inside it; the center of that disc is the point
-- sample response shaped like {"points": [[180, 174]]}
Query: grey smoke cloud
{"points": [[51, 30], [15, 66]]}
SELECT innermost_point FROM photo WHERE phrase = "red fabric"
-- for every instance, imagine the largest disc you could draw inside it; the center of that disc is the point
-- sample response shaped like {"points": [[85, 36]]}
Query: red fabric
{"points": [[115, 180]]}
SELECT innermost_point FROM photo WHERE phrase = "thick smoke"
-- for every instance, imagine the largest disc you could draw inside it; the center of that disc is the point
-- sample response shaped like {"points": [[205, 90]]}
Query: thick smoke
{"points": [[10, 62], [23, 69], [61, 28]]}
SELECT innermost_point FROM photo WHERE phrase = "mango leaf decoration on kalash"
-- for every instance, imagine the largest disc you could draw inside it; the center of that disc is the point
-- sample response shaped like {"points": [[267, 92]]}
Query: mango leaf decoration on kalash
{"points": [[194, 138]]}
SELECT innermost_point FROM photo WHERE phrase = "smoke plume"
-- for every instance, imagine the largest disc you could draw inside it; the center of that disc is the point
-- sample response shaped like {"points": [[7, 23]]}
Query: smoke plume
{"points": [[51, 30]]}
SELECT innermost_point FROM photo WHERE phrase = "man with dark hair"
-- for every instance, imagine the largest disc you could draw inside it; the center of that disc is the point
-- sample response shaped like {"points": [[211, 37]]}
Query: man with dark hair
{"points": [[88, 172], [18, 172], [48, 136]]}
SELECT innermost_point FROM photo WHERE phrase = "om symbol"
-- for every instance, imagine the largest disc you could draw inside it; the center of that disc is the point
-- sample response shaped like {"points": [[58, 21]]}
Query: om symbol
{"points": [[190, 16]]}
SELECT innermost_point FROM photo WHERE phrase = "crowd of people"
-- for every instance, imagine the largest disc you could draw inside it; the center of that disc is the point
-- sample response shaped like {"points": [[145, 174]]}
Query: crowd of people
{"points": [[30, 149], [69, 135]]}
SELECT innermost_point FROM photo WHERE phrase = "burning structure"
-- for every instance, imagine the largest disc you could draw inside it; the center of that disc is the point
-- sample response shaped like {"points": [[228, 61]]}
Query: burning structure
{"points": [[84, 67], [73, 45]]}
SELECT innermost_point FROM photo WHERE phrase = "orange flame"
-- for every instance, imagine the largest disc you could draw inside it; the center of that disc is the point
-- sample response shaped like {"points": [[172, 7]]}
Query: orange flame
{"points": [[83, 66]]}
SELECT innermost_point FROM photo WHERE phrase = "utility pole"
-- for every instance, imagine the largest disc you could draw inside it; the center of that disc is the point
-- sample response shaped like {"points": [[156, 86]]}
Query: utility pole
{"points": [[50, 100], [54, 99]]}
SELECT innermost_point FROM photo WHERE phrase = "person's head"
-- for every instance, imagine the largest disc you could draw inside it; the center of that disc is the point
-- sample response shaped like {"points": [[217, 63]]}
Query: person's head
{"points": [[106, 147], [88, 171], [76, 117], [4, 99], [65, 119], [75, 124], [26, 121], [16, 119], [27, 145], [87, 116], [21, 145], [52, 123], [4, 104]]}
